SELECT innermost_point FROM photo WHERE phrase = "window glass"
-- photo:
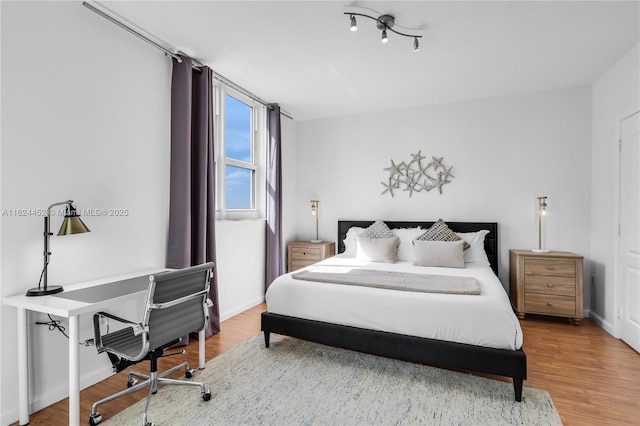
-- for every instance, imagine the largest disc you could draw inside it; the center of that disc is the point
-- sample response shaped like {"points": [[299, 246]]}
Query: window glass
{"points": [[237, 129], [239, 188]]}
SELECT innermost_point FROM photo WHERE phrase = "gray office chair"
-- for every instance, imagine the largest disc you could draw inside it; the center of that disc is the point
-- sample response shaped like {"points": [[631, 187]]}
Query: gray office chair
{"points": [[176, 306]]}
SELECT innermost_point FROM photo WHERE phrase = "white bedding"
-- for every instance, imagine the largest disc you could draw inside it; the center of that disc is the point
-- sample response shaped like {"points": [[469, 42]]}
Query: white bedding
{"points": [[483, 320]]}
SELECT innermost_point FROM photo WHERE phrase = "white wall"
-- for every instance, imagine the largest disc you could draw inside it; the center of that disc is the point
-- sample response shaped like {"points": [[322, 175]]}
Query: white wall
{"points": [[616, 94], [505, 152], [240, 256], [1, 306]]}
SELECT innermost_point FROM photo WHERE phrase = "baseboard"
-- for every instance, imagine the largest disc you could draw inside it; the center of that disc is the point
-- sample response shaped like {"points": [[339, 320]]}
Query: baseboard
{"points": [[604, 324], [241, 308], [38, 402]]}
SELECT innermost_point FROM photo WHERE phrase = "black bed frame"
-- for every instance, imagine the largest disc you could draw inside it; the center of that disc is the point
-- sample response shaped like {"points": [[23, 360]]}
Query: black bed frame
{"points": [[501, 362]]}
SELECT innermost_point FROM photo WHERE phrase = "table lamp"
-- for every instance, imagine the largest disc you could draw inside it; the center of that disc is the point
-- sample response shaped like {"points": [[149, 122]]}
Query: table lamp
{"points": [[542, 212], [72, 224], [314, 212]]}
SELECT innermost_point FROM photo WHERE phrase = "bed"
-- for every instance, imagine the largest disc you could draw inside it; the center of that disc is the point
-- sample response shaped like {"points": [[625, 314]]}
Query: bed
{"points": [[485, 337]]}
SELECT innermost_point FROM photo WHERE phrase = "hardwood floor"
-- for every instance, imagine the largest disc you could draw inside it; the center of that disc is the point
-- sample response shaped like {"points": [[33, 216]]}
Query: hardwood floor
{"points": [[593, 378]]}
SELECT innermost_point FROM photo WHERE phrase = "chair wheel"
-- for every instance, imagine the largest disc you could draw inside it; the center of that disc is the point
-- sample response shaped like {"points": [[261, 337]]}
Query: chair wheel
{"points": [[207, 395], [95, 419], [131, 382], [190, 373]]}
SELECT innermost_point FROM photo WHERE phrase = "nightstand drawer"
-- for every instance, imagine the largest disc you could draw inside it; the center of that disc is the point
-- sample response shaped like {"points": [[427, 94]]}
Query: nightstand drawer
{"points": [[560, 286], [298, 264], [564, 268], [306, 253], [549, 304]]}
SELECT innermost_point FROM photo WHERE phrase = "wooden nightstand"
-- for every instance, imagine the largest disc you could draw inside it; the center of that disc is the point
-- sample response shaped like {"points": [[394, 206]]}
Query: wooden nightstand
{"points": [[546, 283], [305, 253]]}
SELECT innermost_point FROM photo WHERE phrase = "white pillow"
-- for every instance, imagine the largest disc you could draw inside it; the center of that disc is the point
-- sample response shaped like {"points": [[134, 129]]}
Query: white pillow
{"points": [[475, 254], [350, 243], [377, 249], [406, 235], [447, 254]]}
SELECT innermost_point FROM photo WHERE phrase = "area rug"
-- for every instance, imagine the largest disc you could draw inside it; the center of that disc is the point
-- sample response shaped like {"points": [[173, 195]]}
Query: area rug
{"points": [[295, 382]]}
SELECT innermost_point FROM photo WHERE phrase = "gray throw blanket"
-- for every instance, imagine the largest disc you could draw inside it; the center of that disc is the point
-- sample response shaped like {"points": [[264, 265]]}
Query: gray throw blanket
{"points": [[390, 280]]}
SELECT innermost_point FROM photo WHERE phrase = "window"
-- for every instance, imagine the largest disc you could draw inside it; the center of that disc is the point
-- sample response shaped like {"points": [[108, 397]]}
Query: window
{"points": [[241, 147]]}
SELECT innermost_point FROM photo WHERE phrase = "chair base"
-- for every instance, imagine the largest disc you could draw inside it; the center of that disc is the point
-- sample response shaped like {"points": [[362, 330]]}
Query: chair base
{"points": [[152, 382]]}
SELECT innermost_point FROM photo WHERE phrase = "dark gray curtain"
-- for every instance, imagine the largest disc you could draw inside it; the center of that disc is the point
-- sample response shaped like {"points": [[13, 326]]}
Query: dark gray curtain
{"points": [[274, 199], [192, 232]]}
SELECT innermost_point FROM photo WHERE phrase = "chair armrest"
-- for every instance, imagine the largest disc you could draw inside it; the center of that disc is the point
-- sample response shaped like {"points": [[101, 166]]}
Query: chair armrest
{"points": [[136, 328]]}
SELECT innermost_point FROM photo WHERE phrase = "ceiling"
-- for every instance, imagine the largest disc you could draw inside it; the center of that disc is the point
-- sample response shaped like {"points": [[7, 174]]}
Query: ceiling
{"points": [[302, 55]]}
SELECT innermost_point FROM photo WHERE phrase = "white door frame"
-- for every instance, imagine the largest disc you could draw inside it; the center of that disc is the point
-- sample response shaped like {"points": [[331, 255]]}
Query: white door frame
{"points": [[617, 303]]}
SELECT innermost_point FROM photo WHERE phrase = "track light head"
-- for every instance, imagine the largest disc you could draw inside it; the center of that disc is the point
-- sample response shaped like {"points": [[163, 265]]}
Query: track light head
{"points": [[384, 36], [416, 45], [385, 22], [354, 25]]}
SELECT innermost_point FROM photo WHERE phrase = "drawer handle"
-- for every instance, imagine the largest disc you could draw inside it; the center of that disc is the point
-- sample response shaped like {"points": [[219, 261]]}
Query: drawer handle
{"points": [[304, 253], [549, 304], [550, 285], [549, 267]]}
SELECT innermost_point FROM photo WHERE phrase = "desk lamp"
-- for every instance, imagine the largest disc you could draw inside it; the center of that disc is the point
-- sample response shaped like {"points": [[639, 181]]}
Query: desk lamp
{"points": [[72, 224]]}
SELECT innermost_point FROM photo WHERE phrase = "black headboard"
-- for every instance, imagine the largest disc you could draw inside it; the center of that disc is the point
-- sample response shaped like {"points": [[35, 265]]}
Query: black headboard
{"points": [[490, 241]]}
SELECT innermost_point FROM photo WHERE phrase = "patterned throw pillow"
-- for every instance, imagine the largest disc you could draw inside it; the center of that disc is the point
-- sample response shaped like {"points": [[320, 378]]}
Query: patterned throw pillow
{"points": [[439, 231], [378, 229]]}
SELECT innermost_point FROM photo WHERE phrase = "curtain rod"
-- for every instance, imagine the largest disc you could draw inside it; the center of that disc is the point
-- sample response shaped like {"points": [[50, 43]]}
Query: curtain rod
{"points": [[177, 56]]}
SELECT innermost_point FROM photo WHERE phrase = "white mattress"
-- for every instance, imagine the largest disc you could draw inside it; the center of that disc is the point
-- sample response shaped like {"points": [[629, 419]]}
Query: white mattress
{"points": [[483, 320]]}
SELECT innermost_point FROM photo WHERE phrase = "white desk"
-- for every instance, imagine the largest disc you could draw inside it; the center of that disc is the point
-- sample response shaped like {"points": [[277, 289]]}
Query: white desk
{"points": [[61, 306]]}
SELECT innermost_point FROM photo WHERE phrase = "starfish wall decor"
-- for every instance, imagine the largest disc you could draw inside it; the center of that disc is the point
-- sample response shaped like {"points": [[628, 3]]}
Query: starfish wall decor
{"points": [[414, 176]]}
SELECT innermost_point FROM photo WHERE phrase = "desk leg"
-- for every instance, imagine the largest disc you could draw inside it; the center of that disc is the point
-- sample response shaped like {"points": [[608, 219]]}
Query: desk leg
{"points": [[23, 368], [201, 349], [74, 371]]}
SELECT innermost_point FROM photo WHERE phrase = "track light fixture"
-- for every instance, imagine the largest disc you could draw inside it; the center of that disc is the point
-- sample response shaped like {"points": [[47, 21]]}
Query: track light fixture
{"points": [[384, 23]]}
